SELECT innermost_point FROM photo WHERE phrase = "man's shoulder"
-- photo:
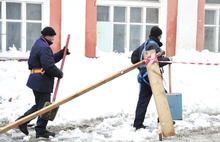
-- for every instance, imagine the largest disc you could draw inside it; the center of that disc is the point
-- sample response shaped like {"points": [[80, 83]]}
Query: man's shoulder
{"points": [[39, 42], [151, 44], [151, 41]]}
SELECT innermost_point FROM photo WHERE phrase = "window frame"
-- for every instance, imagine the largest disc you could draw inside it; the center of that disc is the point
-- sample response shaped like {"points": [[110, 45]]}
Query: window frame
{"points": [[128, 5], [216, 25], [44, 21]]}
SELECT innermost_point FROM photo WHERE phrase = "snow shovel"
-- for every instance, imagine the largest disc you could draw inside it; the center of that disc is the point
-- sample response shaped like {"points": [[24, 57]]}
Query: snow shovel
{"points": [[50, 115]]}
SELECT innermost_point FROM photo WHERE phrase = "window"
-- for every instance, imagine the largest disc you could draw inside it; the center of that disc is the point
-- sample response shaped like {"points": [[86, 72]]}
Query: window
{"points": [[103, 13], [119, 26], [213, 1], [137, 0], [34, 23], [21, 23], [212, 26], [129, 25]]}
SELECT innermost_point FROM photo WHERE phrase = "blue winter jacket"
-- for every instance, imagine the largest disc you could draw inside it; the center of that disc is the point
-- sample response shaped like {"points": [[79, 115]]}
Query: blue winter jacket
{"points": [[41, 56]]}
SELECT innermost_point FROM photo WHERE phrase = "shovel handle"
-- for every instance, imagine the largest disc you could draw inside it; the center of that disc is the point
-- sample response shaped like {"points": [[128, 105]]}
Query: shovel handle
{"points": [[61, 68]]}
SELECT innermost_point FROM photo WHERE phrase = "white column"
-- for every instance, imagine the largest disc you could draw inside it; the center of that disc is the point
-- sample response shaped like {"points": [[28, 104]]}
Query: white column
{"points": [[73, 23], [186, 24]]}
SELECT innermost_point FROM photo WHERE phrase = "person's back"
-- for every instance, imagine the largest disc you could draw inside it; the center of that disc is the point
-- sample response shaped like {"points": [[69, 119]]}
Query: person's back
{"points": [[36, 52]]}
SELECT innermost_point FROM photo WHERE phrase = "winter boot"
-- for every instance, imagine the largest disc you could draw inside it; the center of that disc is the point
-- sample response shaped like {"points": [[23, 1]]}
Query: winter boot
{"points": [[45, 134], [23, 127], [141, 127]]}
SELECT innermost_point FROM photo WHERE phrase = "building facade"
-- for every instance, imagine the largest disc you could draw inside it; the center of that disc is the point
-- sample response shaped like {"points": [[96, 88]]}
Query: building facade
{"points": [[111, 25]]}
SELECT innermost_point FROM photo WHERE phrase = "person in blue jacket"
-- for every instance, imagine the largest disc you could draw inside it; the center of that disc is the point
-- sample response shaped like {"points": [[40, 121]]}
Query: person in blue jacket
{"points": [[145, 92], [43, 71]]}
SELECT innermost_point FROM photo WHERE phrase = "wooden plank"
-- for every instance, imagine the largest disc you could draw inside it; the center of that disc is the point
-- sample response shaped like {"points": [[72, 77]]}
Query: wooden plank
{"points": [[160, 98], [65, 100], [170, 79]]}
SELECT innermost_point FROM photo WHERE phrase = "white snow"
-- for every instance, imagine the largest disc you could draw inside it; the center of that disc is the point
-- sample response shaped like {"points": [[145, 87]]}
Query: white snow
{"points": [[107, 112]]}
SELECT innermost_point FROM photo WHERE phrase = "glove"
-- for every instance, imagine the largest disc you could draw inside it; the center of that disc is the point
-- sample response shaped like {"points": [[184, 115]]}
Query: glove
{"points": [[67, 51], [170, 58], [163, 59]]}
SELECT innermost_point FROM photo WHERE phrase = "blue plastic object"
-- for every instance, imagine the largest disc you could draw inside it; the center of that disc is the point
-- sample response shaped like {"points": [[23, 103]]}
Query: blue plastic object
{"points": [[175, 104]]}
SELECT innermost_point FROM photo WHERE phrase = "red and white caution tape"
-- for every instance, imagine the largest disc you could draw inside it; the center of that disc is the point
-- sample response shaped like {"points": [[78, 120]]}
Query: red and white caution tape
{"points": [[193, 63], [151, 59]]}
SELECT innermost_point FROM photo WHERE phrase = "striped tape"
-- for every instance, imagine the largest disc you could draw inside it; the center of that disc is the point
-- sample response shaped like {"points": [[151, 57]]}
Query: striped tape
{"points": [[151, 59], [193, 63]]}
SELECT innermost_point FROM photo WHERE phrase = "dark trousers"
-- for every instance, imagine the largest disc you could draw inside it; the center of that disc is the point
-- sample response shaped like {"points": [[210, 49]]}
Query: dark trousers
{"points": [[40, 99], [142, 104]]}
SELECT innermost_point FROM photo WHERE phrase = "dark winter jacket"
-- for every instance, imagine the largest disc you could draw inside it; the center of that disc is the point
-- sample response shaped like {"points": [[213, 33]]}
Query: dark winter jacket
{"points": [[151, 44], [41, 56]]}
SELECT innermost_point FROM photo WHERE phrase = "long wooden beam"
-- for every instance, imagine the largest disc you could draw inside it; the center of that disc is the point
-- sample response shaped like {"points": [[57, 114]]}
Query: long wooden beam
{"points": [[73, 96]]}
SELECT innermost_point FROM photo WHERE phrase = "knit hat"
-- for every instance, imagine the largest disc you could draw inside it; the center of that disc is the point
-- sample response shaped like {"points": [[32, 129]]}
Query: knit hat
{"points": [[155, 31], [48, 31]]}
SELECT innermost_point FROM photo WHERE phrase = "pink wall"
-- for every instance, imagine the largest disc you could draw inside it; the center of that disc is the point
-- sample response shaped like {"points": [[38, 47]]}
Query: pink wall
{"points": [[172, 11], [90, 43], [200, 26], [55, 22]]}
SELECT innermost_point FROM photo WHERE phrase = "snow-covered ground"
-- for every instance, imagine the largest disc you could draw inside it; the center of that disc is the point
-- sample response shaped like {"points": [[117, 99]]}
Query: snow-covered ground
{"points": [[106, 113]]}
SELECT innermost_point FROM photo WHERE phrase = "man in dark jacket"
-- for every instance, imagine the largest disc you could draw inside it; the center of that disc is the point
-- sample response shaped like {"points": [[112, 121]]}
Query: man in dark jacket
{"points": [[145, 89], [43, 70]]}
